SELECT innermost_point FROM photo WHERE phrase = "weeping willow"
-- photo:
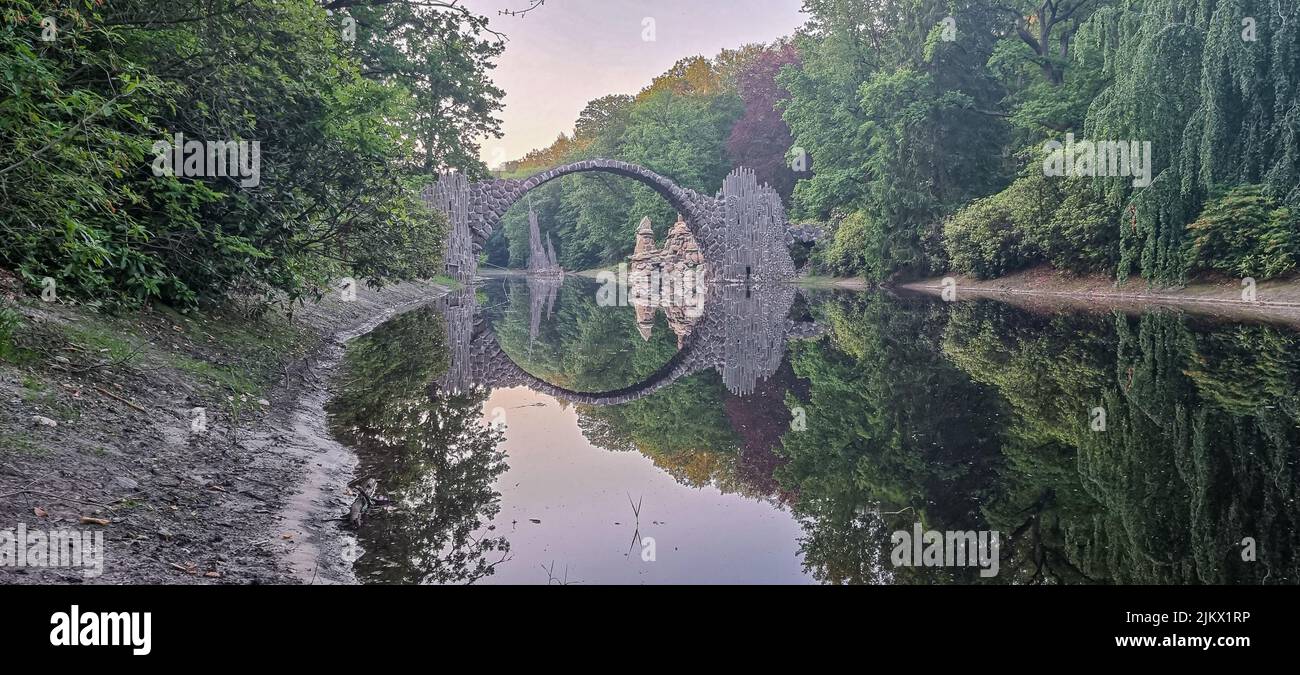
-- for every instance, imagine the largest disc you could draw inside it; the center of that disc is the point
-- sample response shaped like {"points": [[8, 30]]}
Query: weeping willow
{"points": [[1215, 86], [1198, 452]]}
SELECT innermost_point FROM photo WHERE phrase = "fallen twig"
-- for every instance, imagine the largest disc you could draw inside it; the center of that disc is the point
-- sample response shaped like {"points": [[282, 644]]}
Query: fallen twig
{"points": [[115, 396]]}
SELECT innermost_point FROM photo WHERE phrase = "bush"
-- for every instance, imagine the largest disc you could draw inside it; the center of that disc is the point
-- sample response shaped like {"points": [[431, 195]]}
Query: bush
{"points": [[1245, 234], [1036, 219], [982, 239], [79, 198], [844, 252], [1081, 235]]}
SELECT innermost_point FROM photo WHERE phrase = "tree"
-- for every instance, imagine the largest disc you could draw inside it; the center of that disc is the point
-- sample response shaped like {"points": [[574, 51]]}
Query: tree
{"points": [[442, 54], [760, 139], [1037, 23], [430, 452], [82, 201]]}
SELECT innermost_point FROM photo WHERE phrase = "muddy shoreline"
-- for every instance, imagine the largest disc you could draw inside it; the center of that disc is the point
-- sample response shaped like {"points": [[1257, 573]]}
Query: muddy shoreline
{"points": [[319, 550], [96, 434]]}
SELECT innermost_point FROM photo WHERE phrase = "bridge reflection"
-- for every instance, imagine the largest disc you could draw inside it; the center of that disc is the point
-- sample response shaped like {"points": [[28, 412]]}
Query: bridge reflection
{"points": [[742, 333]]}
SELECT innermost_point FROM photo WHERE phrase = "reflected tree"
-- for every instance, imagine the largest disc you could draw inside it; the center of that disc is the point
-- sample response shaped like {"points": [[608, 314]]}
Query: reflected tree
{"points": [[430, 451], [1197, 454], [582, 346], [892, 429]]}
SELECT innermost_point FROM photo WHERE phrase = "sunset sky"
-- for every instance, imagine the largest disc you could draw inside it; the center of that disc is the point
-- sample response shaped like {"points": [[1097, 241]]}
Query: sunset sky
{"points": [[568, 52]]}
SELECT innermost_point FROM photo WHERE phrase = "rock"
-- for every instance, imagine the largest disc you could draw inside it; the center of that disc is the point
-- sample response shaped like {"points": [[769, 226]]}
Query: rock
{"points": [[44, 421]]}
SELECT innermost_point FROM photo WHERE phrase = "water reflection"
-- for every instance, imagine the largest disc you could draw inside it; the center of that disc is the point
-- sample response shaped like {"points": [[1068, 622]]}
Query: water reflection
{"points": [[741, 334], [967, 416], [430, 451]]}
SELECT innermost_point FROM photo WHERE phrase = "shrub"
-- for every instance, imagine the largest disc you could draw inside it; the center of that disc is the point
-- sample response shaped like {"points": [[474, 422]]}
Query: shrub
{"points": [[79, 198], [982, 240], [10, 322], [1245, 233], [845, 252], [1079, 235], [1036, 219]]}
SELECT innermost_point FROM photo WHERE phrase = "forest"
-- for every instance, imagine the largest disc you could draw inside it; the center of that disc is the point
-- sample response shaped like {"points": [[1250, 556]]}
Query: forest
{"points": [[355, 104], [920, 132]]}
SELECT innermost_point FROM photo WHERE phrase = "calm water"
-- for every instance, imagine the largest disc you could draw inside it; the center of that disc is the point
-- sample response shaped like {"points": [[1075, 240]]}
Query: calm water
{"points": [[527, 434]]}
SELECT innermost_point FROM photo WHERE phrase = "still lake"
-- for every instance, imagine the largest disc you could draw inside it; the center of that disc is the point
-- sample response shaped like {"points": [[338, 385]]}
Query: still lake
{"points": [[528, 431]]}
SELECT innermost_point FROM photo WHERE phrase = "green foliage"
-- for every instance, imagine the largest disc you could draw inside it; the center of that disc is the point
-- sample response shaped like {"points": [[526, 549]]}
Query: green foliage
{"points": [[908, 127], [1037, 219], [440, 55], [1197, 451], [1222, 117], [80, 196], [699, 426], [992, 426], [1081, 235], [845, 253], [982, 239], [10, 322], [430, 452], [577, 344], [891, 428], [895, 120], [1244, 233]]}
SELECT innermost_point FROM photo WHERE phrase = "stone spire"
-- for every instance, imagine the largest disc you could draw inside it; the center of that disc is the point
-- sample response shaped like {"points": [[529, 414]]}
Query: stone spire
{"points": [[552, 260], [645, 238], [645, 320], [679, 227], [536, 251], [541, 255]]}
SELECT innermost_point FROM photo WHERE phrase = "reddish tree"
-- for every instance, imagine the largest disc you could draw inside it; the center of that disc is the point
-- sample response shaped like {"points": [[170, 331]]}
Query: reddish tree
{"points": [[760, 138]]}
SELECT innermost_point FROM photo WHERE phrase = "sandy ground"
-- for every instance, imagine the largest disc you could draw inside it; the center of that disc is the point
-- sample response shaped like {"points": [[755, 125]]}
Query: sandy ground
{"points": [[96, 434], [1275, 301]]}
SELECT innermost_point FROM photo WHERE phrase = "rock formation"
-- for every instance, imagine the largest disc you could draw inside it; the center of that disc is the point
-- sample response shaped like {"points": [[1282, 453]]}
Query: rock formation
{"points": [[671, 279], [541, 259]]}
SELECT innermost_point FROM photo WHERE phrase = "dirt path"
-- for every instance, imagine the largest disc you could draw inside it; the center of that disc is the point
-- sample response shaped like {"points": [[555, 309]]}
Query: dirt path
{"points": [[98, 423]]}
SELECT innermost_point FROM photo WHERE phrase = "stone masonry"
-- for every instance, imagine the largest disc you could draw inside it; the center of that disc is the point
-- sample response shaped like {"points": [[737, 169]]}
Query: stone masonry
{"points": [[741, 232]]}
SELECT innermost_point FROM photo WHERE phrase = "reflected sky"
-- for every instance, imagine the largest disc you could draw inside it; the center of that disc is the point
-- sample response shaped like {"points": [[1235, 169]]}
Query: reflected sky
{"points": [[583, 495]]}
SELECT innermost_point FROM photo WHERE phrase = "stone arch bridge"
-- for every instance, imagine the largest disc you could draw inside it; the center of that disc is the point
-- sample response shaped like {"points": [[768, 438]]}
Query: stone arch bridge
{"points": [[742, 231], [742, 334]]}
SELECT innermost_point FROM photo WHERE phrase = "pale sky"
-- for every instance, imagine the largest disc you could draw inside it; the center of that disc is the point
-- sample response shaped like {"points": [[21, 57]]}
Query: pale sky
{"points": [[568, 52]]}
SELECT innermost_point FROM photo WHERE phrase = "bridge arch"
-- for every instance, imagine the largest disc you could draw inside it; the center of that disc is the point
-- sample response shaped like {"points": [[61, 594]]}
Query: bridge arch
{"points": [[498, 196], [742, 334], [741, 232], [691, 359]]}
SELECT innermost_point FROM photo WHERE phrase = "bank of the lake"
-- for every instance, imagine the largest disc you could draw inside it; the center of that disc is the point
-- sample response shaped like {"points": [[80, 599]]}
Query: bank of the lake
{"points": [[97, 432], [1275, 300]]}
